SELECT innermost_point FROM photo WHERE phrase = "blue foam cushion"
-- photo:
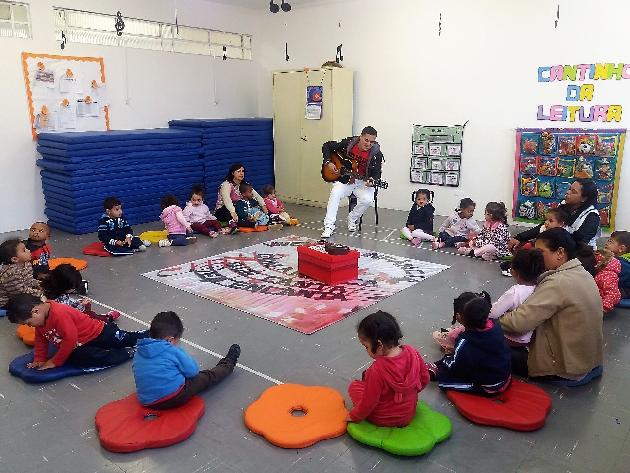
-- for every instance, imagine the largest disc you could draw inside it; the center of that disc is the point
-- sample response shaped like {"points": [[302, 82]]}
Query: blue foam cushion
{"points": [[3, 313], [116, 135], [167, 141], [110, 181], [98, 157], [69, 167], [29, 375], [119, 150], [624, 304], [222, 122]]}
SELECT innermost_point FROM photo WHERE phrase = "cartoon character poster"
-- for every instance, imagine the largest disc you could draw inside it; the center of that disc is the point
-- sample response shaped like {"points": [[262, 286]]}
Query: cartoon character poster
{"points": [[549, 160]]}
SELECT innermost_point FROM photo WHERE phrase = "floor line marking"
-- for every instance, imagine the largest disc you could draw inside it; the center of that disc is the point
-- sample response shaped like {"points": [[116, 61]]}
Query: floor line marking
{"points": [[194, 345]]}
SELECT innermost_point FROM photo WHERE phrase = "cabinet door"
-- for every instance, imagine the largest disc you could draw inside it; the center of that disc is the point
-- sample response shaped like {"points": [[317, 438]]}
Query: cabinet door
{"points": [[288, 112], [313, 134]]}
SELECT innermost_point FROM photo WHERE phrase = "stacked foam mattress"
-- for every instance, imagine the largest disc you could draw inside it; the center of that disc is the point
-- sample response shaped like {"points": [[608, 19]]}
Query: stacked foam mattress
{"points": [[234, 140], [79, 170]]}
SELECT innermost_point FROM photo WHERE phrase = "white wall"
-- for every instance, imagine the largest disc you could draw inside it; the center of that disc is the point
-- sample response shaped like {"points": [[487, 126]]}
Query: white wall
{"points": [[483, 68], [159, 86]]}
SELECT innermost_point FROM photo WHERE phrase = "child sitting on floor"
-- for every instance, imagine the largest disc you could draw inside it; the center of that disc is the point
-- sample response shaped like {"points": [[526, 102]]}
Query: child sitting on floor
{"points": [[388, 394], [554, 218], [276, 207], [166, 376], [65, 285], [419, 226], [115, 233], [39, 248], [80, 340], [178, 229], [619, 244], [491, 243], [249, 213], [198, 215], [459, 227], [481, 359], [607, 269], [16, 271], [527, 266]]}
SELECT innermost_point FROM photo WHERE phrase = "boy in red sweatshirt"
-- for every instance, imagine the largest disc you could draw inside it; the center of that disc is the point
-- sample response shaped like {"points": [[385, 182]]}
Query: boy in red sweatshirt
{"points": [[80, 339], [388, 394]]}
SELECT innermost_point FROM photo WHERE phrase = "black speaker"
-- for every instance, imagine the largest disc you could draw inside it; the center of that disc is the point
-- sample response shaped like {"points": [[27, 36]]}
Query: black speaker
{"points": [[273, 8]]}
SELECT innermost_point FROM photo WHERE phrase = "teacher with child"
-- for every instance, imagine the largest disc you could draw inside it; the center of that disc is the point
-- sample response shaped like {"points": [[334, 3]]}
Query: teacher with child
{"points": [[565, 311]]}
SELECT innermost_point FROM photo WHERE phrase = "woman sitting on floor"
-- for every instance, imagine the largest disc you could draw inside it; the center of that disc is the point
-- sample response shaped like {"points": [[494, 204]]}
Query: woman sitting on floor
{"points": [[565, 311], [229, 193]]}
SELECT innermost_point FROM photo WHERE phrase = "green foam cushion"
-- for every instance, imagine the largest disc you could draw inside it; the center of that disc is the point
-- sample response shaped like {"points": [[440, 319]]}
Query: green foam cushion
{"points": [[426, 429]]}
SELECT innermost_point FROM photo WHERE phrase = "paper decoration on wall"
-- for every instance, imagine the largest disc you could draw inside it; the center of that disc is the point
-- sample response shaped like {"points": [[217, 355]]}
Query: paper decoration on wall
{"points": [[436, 154], [119, 24], [547, 162], [314, 102], [339, 55], [557, 17], [286, 52], [65, 93]]}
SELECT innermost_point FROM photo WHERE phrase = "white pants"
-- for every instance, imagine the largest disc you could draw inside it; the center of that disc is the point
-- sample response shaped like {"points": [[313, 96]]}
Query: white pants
{"points": [[416, 234], [364, 195]]}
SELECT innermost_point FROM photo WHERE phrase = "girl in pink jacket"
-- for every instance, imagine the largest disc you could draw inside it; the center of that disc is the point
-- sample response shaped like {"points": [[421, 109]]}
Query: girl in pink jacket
{"points": [[198, 214], [276, 208], [176, 225]]}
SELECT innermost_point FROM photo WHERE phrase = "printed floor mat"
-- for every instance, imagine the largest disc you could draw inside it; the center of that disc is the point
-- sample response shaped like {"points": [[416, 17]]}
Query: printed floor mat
{"points": [[263, 280]]}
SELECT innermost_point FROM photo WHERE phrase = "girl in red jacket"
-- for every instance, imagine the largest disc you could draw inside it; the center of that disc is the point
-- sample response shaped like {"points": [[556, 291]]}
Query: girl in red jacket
{"points": [[607, 271], [388, 394]]}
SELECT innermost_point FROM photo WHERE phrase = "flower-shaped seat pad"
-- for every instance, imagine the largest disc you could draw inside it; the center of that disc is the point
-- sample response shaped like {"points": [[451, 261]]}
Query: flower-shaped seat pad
{"points": [[79, 264], [95, 249]]}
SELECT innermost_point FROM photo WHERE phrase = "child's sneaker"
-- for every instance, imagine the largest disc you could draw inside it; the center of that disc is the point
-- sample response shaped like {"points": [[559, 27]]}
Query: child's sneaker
{"points": [[164, 243], [113, 315], [146, 243], [213, 234], [416, 241], [507, 273], [461, 244], [142, 248], [191, 239], [233, 353], [437, 244], [85, 285], [432, 367]]}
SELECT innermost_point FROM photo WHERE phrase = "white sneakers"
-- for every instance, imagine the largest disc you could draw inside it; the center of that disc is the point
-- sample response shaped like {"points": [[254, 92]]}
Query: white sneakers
{"points": [[327, 233], [164, 243], [352, 225]]}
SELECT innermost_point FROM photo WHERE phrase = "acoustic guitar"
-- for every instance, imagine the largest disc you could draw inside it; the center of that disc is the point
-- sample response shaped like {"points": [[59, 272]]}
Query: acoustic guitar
{"points": [[346, 166]]}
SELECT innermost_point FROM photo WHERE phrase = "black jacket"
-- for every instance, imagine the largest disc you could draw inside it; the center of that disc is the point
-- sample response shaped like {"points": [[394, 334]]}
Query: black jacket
{"points": [[375, 157], [585, 233], [421, 218]]}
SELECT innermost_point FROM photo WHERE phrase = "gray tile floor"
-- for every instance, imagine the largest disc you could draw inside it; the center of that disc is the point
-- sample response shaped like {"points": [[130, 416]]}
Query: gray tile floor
{"points": [[50, 428]]}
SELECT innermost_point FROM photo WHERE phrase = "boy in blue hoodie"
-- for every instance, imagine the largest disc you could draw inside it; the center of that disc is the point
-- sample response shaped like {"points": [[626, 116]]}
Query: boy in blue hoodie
{"points": [[481, 360], [166, 376], [619, 245]]}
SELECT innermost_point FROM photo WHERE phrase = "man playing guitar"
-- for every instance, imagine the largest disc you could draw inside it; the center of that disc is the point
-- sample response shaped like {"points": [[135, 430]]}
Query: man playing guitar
{"points": [[367, 152]]}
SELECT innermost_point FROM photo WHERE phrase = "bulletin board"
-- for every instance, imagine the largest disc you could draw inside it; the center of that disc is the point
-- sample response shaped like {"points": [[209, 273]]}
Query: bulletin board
{"points": [[436, 155], [65, 93], [548, 160]]}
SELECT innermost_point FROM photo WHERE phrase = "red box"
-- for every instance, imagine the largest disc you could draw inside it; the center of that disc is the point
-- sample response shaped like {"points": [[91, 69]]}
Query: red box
{"points": [[314, 262]]}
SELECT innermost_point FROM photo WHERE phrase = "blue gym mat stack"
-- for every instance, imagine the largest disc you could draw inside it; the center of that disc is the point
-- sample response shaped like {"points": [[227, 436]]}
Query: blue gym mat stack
{"points": [[138, 166], [233, 140]]}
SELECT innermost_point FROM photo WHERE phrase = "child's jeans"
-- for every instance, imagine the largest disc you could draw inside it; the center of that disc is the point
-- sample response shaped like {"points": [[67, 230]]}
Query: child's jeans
{"points": [[109, 348], [124, 250], [177, 239], [408, 234], [193, 386], [206, 227], [449, 240]]}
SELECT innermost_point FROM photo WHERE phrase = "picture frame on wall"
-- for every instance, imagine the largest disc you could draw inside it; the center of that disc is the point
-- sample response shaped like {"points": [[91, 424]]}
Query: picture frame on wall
{"points": [[420, 148], [454, 149], [451, 164], [435, 149], [437, 154], [420, 162], [420, 177], [451, 179], [437, 178], [436, 165]]}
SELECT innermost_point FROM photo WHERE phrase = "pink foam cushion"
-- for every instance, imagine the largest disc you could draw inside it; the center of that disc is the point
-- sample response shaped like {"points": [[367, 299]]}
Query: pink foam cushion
{"points": [[95, 249], [521, 407], [127, 426]]}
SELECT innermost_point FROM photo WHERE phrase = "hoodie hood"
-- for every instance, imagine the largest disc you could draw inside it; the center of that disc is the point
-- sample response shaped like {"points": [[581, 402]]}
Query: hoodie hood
{"points": [[479, 338], [614, 266], [169, 211], [408, 380], [152, 347]]}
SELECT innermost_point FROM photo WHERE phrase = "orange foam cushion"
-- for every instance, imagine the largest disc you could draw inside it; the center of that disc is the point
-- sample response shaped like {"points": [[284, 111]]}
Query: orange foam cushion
{"points": [[521, 407], [271, 415], [127, 426], [259, 228], [26, 334], [79, 264]]}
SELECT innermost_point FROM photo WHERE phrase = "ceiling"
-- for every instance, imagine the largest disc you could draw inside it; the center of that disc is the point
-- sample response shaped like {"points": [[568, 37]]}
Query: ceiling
{"points": [[264, 4]]}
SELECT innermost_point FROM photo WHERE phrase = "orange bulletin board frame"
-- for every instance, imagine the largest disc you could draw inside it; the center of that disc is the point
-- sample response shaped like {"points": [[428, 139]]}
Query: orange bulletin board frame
{"points": [[70, 59]]}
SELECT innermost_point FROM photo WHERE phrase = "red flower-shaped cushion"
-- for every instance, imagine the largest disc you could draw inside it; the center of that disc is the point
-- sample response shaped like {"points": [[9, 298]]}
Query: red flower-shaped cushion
{"points": [[273, 415], [521, 407], [95, 249], [127, 426]]}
